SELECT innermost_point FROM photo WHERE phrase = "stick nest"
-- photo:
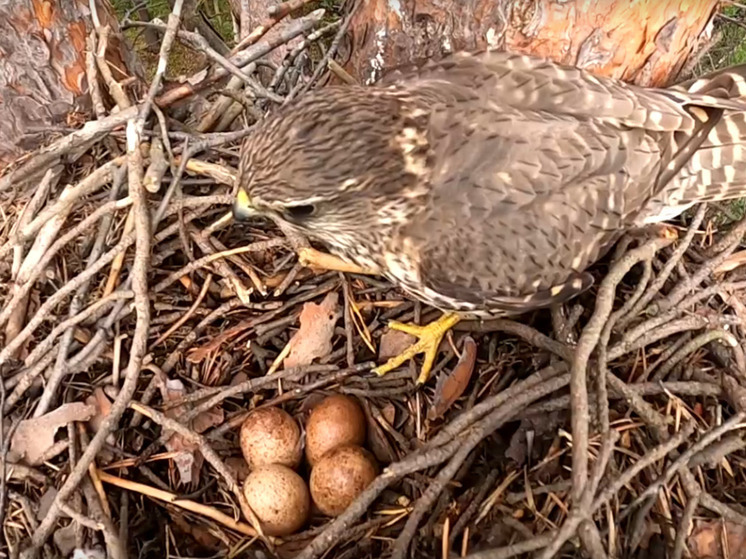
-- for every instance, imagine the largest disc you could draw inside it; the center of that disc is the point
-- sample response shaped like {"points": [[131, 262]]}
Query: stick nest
{"points": [[606, 426]]}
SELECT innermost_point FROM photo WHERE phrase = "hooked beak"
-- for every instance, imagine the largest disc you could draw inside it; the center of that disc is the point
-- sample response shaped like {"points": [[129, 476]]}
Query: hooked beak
{"points": [[242, 208]]}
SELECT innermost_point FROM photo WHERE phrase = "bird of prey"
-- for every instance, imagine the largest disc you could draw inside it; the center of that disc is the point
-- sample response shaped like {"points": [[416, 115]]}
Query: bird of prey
{"points": [[487, 183]]}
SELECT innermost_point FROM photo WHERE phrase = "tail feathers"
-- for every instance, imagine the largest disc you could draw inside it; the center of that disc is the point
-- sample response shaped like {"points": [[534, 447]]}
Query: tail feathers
{"points": [[716, 169], [729, 83]]}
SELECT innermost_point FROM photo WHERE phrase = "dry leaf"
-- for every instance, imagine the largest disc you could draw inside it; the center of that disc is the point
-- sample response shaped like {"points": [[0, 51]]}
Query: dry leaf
{"points": [[314, 337], [376, 439], [64, 539], [103, 407], [238, 467], [207, 419], [239, 378], [707, 539], [394, 342], [450, 387], [197, 530], [34, 437], [731, 263], [188, 461], [45, 503], [388, 411], [198, 354]]}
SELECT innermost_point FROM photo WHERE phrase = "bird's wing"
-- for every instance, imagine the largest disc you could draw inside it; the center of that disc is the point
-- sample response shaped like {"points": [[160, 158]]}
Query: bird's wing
{"points": [[535, 169]]}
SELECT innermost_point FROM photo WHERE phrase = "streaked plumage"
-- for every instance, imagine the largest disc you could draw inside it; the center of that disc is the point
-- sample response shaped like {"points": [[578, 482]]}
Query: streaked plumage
{"points": [[488, 183]]}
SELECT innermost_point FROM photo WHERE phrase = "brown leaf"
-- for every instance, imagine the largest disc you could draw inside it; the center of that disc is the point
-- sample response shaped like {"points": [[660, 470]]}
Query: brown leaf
{"points": [[64, 539], [377, 442], [314, 337], [238, 466], [731, 263], [188, 461], [450, 387], [45, 503], [239, 378], [707, 539], [393, 342], [35, 436], [103, 407], [197, 530], [207, 419], [388, 412], [198, 354]]}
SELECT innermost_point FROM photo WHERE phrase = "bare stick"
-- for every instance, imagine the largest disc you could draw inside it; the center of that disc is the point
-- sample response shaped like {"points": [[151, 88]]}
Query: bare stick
{"points": [[481, 430], [139, 340], [586, 344], [210, 455], [701, 341], [173, 499], [242, 58], [685, 525], [665, 273]]}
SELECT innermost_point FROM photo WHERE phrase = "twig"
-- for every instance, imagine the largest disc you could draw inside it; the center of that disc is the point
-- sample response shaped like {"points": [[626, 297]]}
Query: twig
{"points": [[513, 550], [173, 499], [40, 264], [44, 312], [82, 520], [683, 460], [722, 250], [174, 19], [665, 273], [201, 262], [198, 42], [591, 540], [76, 304], [685, 525], [187, 315], [457, 450], [478, 432], [210, 455], [115, 88], [276, 13], [242, 58], [331, 51], [139, 337], [701, 341], [584, 513], [586, 344], [531, 335]]}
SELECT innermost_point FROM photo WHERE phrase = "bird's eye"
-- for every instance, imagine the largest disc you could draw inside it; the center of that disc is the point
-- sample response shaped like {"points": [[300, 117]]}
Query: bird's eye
{"points": [[300, 212]]}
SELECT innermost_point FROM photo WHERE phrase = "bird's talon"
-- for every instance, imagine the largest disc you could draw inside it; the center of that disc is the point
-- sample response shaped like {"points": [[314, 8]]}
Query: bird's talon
{"points": [[411, 329], [429, 338]]}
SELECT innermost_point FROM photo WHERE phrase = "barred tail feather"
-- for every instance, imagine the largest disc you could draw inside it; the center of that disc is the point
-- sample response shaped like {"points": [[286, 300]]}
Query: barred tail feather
{"points": [[715, 167]]}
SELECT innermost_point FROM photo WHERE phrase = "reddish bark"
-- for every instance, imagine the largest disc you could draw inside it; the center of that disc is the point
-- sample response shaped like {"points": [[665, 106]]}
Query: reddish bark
{"points": [[42, 67], [645, 42]]}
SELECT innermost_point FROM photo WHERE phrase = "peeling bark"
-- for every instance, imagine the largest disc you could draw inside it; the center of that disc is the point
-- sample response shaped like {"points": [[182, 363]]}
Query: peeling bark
{"points": [[254, 13], [646, 42], [43, 80]]}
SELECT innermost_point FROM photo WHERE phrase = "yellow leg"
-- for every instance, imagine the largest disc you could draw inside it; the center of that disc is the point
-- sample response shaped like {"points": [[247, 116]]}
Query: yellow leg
{"points": [[429, 338]]}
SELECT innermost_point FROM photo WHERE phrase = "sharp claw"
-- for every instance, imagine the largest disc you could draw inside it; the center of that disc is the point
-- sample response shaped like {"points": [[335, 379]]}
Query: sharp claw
{"points": [[428, 343]]}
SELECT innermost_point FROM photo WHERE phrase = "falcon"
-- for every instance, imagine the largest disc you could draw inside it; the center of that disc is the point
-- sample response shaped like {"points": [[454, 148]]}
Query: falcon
{"points": [[486, 184]]}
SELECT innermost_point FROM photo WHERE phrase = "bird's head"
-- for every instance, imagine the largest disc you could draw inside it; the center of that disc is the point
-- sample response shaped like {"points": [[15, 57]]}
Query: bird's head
{"points": [[342, 165]]}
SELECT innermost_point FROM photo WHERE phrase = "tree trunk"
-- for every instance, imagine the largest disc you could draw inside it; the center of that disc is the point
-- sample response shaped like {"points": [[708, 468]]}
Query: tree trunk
{"points": [[645, 42], [43, 82]]}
